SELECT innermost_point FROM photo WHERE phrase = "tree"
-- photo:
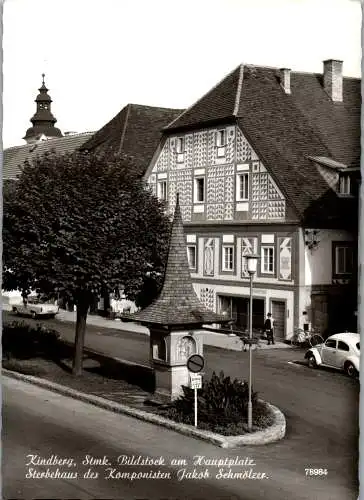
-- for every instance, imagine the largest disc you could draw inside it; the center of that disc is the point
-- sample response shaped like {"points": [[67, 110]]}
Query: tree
{"points": [[80, 224]]}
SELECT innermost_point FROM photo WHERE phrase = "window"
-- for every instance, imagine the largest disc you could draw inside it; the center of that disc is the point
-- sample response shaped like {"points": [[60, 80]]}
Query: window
{"points": [[358, 346], [228, 258], [330, 343], [342, 346], [268, 260], [180, 145], [180, 149], [221, 138], [221, 142], [344, 185], [191, 255], [343, 259], [199, 189], [162, 190], [242, 188]]}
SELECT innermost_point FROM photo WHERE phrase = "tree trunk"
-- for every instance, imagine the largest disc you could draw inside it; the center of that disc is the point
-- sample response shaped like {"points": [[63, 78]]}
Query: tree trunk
{"points": [[82, 305]]}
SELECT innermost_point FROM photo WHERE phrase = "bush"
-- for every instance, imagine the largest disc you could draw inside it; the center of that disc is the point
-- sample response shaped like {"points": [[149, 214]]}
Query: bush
{"points": [[222, 406], [23, 341]]}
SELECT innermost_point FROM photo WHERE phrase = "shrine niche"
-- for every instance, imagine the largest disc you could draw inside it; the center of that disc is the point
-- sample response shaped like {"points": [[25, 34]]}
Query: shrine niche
{"points": [[186, 346]]}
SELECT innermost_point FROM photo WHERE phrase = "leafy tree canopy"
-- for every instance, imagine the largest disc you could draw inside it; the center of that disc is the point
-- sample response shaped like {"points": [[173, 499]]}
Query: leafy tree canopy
{"points": [[81, 224]]}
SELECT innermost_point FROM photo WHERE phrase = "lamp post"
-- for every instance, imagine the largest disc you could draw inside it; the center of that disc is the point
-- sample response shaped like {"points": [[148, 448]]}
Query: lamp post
{"points": [[252, 261]]}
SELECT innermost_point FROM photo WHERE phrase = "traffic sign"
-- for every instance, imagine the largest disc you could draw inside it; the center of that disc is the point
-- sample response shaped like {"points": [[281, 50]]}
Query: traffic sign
{"points": [[195, 363], [195, 381]]}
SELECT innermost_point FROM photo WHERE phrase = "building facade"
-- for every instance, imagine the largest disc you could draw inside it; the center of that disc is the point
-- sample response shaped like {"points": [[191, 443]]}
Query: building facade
{"points": [[261, 180]]}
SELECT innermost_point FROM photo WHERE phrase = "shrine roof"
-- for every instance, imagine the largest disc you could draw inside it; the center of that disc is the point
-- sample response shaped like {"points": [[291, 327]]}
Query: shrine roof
{"points": [[177, 303]]}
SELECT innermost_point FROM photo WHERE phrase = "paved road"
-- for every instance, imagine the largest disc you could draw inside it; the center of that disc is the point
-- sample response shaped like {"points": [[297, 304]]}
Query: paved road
{"points": [[321, 407], [44, 424]]}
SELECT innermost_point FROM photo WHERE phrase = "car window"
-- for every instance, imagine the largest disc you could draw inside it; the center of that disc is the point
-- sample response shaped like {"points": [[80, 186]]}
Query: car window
{"points": [[330, 343], [33, 300], [342, 346], [358, 346]]}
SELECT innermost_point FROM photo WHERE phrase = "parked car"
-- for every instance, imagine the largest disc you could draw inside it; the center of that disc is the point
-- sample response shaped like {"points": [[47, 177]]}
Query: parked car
{"points": [[340, 351], [35, 307]]}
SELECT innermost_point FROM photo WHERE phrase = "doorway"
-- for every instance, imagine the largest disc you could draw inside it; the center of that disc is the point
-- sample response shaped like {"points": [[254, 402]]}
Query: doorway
{"points": [[279, 316]]}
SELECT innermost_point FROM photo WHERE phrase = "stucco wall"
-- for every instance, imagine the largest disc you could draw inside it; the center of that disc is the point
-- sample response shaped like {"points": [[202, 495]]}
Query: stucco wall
{"points": [[318, 261]]}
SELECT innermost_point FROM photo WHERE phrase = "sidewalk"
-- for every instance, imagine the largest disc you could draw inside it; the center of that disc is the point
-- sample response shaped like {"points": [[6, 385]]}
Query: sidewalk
{"points": [[221, 340], [224, 341]]}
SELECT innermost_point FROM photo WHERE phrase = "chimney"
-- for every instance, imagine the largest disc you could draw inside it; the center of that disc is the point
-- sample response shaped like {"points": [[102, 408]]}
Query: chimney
{"points": [[333, 79], [285, 79]]}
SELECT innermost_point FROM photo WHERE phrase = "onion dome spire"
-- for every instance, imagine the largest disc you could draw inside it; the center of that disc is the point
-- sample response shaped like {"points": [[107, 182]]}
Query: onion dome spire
{"points": [[43, 121]]}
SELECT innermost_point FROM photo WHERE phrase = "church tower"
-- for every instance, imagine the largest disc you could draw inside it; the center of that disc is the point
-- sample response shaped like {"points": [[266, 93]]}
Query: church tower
{"points": [[43, 121]]}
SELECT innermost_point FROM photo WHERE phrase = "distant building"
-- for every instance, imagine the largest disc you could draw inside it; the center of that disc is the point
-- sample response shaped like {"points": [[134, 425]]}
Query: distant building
{"points": [[41, 137], [267, 162]]}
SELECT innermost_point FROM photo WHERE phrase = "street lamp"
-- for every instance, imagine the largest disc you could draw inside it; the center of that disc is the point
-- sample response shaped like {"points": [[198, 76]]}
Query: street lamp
{"points": [[252, 262]]}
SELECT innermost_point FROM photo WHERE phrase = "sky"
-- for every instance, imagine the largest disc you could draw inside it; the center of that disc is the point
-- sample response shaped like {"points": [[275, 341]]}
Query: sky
{"points": [[100, 55]]}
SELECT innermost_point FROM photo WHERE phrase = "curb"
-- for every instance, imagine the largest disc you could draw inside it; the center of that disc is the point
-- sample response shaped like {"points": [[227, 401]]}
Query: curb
{"points": [[274, 433]]}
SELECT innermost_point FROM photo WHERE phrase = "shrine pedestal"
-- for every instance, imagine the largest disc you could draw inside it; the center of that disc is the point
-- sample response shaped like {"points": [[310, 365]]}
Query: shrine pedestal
{"points": [[169, 351]]}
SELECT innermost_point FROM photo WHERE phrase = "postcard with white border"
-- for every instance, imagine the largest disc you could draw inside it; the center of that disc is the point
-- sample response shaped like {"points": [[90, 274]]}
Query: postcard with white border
{"points": [[181, 249]]}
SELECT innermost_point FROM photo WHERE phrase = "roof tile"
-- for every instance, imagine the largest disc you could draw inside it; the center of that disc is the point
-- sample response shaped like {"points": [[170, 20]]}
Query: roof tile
{"points": [[15, 156], [135, 131], [285, 129]]}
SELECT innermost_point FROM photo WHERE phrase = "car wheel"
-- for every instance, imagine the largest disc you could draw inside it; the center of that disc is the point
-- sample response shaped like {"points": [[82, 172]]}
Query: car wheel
{"points": [[351, 370], [15, 310], [312, 361]]}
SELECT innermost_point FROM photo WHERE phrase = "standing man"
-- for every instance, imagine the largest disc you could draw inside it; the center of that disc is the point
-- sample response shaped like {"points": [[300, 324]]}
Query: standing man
{"points": [[268, 328]]}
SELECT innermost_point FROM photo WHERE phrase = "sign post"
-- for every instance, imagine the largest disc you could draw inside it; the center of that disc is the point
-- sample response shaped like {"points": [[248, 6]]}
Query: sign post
{"points": [[195, 383], [195, 363]]}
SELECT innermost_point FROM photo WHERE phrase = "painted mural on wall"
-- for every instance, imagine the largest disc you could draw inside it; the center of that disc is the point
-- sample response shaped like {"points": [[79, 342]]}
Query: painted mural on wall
{"points": [[218, 156], [285, 258], [207, 297], [267, 201], [208, 257], [249, 246]]}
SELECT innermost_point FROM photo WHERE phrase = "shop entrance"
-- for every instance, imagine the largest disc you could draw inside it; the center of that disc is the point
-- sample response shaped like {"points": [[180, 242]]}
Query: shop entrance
{"points": [[238, 309]]}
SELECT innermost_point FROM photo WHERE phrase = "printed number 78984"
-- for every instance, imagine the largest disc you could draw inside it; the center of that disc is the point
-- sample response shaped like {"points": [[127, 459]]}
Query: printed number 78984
{"points": [[316, 472]]}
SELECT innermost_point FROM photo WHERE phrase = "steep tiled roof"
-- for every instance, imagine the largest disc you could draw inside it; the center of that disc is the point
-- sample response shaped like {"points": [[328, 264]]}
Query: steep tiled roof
{"points": [[15, 156], [285, 129], [177, 304], [135, 131]]}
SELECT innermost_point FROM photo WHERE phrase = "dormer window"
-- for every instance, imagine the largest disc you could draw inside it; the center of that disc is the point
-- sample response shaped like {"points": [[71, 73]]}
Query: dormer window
{"points": [[345, 184]]}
